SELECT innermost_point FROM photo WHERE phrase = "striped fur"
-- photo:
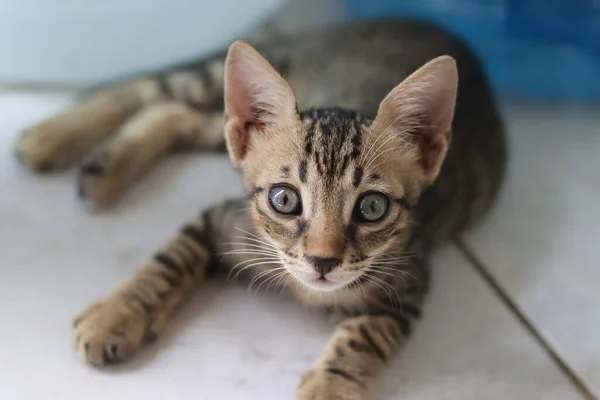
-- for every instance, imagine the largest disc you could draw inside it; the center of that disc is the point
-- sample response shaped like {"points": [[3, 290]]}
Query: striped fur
{"points": [[333, 148]]}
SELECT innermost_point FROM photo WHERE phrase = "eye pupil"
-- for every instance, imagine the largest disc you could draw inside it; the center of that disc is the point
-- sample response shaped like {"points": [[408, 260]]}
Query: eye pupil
{"points": [[371, 207], [285, 200]]}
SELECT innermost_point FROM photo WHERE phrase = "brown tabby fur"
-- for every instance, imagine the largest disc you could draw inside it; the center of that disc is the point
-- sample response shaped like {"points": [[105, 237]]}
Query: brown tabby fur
{"points": [[398, 146]]}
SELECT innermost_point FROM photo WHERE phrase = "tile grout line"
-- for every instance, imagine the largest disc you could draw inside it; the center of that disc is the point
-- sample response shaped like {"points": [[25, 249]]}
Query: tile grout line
{"points": [[581, 387]]}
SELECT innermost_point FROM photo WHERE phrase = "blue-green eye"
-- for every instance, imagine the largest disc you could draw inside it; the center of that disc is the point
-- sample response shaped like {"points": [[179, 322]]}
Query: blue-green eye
{"points": [[371, 207], [285, 200]]}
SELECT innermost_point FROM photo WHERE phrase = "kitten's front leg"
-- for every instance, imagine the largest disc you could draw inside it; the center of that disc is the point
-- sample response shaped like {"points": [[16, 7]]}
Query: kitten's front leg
{"points": [[113, 329], [354, 357]]}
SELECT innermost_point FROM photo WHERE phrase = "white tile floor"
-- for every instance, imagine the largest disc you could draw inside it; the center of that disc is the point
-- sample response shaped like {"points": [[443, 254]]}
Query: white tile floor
{"points": [[228, 344], [540, 243]]}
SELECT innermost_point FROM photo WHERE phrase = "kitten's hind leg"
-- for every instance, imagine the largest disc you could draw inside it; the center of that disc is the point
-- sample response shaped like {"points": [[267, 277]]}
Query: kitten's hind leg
{"points": [[139, 142], [63, 140]]}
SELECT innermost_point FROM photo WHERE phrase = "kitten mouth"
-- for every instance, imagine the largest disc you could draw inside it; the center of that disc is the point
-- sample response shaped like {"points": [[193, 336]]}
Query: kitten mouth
{"points": [[322, 284], [323, 281]]}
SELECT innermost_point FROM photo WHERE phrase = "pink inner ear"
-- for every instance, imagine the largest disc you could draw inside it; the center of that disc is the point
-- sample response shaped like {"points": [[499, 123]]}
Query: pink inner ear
{"points": [[420, 110], [255, 96], [254, 91]]}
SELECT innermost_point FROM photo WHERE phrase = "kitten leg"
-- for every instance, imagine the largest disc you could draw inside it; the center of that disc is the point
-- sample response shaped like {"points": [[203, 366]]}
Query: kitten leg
{"points": [[115, 328], [354, 357], [148, 135], [64, 139]]}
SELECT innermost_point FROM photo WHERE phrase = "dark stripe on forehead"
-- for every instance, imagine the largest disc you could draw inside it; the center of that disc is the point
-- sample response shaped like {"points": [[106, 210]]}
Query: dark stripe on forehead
{"points": [[345, 163], [308, 141], [302, 170], [356, 139], [358, 174], [285, 170], [333, 139]]}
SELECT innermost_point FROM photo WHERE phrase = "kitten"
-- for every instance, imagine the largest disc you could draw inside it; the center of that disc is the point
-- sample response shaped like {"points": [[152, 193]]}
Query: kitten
{"points": [[346, 202]]}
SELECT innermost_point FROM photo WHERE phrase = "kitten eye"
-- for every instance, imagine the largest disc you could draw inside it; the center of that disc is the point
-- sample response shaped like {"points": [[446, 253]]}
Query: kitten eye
{"points": [[371, 207], [285, 200]]}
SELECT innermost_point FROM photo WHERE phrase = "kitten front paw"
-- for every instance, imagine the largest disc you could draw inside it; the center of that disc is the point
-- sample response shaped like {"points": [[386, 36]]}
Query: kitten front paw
{"points": [[110, 331], [101, 179], [324, 385], [43, 148]]}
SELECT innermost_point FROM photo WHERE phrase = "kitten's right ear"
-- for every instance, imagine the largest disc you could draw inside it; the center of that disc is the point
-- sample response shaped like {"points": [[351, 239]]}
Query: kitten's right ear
{"points": [[256, 98]]}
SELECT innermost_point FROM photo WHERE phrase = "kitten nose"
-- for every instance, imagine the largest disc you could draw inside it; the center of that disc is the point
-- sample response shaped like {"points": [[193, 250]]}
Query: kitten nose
{"points": [[324, 265]]}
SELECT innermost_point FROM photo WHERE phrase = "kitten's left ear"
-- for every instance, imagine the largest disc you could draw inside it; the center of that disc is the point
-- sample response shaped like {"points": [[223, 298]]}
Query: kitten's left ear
{"points": [[256, 98], [420, 111]]}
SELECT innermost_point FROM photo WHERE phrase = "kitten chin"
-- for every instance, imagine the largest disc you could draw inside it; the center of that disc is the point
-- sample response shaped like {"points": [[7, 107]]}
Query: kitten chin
{"points": [[338, 279]]}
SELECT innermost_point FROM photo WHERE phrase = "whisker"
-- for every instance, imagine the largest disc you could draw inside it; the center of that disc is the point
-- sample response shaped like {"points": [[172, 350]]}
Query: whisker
{"points": [[257, 240], [379, 155], [279, 271], [400, 251], [375, 153], [248, 252], [394, 258], [259, 246], [277, 278], [360, 288], [262, 274], [283, 283], [252, 265], [248, 233], [383, 282], [381, 135], [398, 135], [389, 274], [396, 272], [369, 278], [255, 261]]}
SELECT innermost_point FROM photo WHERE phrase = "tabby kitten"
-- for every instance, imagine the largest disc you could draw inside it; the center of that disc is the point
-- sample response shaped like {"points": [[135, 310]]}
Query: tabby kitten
{"points": [[343, 205]]}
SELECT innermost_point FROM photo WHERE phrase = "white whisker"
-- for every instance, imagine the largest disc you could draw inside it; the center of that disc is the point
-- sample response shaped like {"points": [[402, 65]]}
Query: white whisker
{"points": [[379, 137], [278, 272], [257, 240], [260, 275], [248, 252], [275, 278], [259, 246], [254, 261], [383, 282]]}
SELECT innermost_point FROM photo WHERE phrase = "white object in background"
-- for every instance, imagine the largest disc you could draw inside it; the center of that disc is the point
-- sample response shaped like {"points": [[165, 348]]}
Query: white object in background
{"points": [[73, 41]]}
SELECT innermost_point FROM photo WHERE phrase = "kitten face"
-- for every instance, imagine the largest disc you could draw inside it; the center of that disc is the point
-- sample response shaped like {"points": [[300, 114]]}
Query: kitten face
{"points": [[332, 190], [329, 195]]}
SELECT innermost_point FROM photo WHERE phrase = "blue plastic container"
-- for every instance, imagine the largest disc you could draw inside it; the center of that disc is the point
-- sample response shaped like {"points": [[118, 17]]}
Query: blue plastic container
{"points": [[544, 50]]}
